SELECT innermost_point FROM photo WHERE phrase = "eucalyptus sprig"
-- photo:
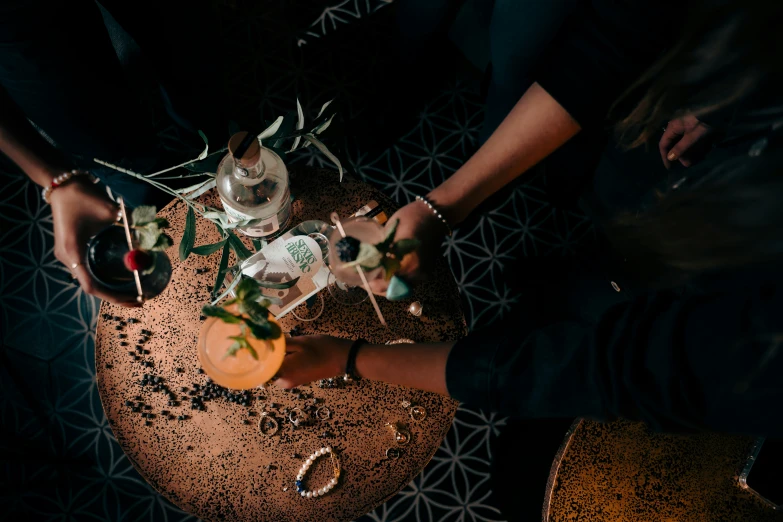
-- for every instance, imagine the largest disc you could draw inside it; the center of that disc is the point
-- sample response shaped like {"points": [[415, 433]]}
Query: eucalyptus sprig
{"points": [[149, 229], [387, 253], [253, 317], [275, 136]]}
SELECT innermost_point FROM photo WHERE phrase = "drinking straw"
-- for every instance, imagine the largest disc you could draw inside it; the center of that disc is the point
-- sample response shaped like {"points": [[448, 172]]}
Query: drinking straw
{"points": [[339, 225], [140, 296]]}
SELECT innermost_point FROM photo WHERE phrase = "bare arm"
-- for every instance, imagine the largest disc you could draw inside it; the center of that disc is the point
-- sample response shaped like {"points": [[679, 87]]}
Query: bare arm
{"points": [[79, 208], [421, 366], [535, 127], [25, 147]]}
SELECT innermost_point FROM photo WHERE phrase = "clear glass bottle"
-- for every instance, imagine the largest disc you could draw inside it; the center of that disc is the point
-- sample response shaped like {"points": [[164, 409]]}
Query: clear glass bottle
{"points": [[254, 186]]}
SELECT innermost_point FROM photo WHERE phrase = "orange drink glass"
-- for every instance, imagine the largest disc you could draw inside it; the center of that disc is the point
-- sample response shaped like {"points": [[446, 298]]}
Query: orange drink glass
{"points": [[240, 371]]}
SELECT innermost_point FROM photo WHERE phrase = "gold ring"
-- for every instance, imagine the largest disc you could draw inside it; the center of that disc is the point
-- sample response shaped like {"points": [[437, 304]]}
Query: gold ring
{"points": [[401, 435], [267, 425], [393, 453], [418, 413]]}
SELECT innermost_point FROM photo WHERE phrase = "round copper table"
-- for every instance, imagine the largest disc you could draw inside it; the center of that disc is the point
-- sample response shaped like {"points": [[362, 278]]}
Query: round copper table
{"points": [[216, 463]]}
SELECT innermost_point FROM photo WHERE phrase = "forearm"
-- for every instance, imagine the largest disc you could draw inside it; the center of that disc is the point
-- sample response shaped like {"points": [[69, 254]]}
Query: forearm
{"points": [[421, 366], [25, 147], [535, 127]]}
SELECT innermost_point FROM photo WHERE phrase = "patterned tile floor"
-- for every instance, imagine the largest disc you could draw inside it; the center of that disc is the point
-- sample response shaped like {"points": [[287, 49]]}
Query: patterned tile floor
{"points": [[60, 460]]}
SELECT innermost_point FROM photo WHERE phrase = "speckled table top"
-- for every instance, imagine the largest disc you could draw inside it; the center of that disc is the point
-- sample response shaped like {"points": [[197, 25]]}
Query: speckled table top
{"points": [[214, 462], [622, 471]]}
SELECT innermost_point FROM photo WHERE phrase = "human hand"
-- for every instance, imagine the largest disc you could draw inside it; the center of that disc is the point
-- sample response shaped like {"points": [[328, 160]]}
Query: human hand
{"points": [[312, 357], [416, 221], [79, 211], [684, 139]]}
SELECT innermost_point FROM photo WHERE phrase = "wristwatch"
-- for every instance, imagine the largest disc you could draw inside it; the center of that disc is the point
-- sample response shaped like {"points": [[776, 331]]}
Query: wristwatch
{"points": [[350, 364]]}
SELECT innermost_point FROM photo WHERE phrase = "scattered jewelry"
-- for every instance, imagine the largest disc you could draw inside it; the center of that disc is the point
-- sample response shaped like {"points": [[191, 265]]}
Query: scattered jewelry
{"points": [[401, 435], [415, 308], [306, 467], [393, 453], [267, 425], [418, 413], [402, 341], [405, 404], [323, 413], [297, 417]]}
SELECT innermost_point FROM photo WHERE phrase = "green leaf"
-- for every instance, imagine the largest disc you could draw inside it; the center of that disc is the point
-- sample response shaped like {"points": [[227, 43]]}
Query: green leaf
{"points": [[147, 239], [198, 189], [271, 130], [239, 248], [277, 286], [248, 289], [205, 250], [386, 244], [233, 349], [264, 331], [161, 222], [326, 152], [405, 246], [299, 125], [323, 108], [322, 127], [254, 310], [221, 275], [239, 343], [142, 215], [269, 300], [221, 313], [218, 218], [188, 236], [258, 244], [369, 257], [163, 242], [286, 127], [243, 223], [206, 146], [228, 290]]}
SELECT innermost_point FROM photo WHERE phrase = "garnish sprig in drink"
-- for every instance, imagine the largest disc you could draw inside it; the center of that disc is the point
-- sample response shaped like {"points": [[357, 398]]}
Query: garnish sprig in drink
{"points": [[365, 245], [114, 257], [241, 346]]}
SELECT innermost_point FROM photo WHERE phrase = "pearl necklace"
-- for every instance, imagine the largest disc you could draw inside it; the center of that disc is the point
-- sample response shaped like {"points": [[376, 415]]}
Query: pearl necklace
{"points": [[306, 467]]}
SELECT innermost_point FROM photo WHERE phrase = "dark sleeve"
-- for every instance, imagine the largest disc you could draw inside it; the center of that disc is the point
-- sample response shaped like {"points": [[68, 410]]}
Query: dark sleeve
{"points": [[601, 50], [679, 364]]}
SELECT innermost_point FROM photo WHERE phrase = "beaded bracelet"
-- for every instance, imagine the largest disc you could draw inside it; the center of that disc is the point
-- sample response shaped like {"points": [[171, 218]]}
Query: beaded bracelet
{"points": [[437, 213], [306, 466], [62, 179]]}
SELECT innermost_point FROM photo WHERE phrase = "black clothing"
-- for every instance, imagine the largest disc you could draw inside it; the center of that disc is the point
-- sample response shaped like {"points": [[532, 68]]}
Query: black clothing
{"points": [[704, 356], [58, 65]]}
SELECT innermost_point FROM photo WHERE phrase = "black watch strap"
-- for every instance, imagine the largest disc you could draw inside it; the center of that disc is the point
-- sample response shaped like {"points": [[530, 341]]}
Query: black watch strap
{"points": [[350, 364]]}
